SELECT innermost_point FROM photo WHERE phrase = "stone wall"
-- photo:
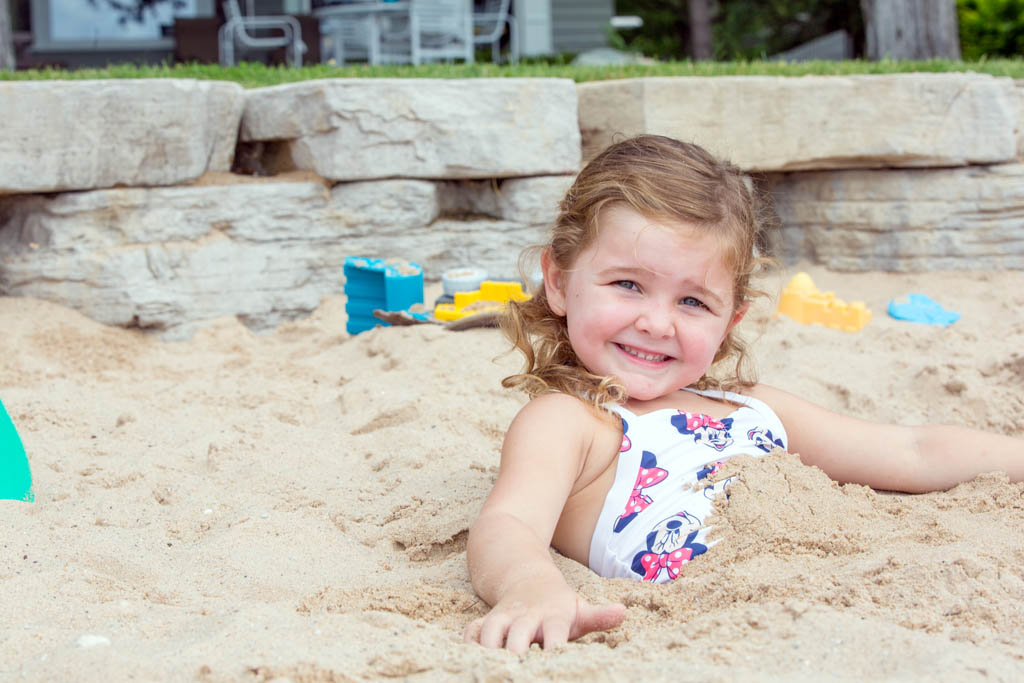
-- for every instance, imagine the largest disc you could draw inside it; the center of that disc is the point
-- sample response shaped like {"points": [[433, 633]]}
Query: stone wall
{"points": [[115, 196], [945, 189]]}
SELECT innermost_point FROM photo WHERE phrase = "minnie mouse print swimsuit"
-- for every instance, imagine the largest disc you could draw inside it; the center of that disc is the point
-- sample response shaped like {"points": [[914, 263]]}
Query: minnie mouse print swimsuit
{"points": [[652, 522]]}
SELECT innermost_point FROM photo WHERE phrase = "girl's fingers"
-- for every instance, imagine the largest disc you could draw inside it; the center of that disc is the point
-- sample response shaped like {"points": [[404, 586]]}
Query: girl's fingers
{"points": [[522, 632], [472, 632], [596, 618], [517, 633], [493, 630], [556, 632]]}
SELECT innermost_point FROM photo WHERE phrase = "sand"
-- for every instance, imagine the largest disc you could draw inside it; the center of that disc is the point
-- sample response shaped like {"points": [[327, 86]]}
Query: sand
{"points": [[295, 507]]}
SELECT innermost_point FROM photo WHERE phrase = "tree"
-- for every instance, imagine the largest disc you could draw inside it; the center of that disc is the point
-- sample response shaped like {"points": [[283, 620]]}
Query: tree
{"points": [[754, 29], [6, 39], [700, 29], [911, 29], [741, 29], [991, 28], [665, 32]]}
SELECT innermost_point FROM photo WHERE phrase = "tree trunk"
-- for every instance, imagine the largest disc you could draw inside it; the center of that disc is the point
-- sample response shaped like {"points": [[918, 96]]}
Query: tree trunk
{"points": [[911, 29], [6, 39], [700, 29]]}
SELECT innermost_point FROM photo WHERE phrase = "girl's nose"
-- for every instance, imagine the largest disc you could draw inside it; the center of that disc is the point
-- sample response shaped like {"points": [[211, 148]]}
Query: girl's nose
{"points": [[656, 321]]}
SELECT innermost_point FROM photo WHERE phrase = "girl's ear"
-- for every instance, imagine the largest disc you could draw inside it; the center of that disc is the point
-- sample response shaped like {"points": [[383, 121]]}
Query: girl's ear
{"points": [[738, 316], [554, 284]]}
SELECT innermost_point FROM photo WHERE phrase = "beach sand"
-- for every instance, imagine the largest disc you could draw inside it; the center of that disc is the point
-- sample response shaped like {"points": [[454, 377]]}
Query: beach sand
{"points": [[295, 507]]}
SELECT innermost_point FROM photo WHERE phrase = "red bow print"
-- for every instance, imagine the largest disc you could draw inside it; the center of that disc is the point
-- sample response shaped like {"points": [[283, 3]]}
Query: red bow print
{"points": [[638, 502], [653, 563], [695, 421]]}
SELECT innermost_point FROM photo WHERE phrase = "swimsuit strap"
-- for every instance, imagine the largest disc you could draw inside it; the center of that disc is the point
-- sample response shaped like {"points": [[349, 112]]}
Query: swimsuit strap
{"points": [[755, 404], [749, 401]]}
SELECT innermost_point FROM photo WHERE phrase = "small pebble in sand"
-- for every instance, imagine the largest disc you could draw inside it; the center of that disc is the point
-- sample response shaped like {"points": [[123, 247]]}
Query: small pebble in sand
{"points": [[88, 640]]}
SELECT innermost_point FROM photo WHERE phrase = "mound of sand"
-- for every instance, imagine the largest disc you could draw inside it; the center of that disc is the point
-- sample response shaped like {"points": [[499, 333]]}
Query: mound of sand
{"points": [[296, 507]]}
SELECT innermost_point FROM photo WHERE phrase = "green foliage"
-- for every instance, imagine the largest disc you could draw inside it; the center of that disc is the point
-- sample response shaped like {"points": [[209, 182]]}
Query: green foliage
{"points": [[665, 33], [991, 28], [742, 29], [751, 29], [253, 75]]}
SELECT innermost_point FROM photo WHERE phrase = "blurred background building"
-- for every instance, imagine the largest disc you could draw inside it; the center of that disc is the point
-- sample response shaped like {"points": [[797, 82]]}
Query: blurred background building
{"points": [[72, 33]]}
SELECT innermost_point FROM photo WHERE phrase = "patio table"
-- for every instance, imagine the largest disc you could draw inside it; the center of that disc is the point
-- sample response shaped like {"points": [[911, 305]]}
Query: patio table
{"points": [[371, 14]]}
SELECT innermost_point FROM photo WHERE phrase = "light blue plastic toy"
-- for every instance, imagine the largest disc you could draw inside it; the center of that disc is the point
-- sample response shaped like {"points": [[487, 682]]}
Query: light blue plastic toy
{"points": [[920, 308], [15, 477], [375, 284]]}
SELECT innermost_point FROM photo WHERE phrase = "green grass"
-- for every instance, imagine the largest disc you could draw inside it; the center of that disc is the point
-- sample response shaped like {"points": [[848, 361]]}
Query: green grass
{"points": [[252, 75]]}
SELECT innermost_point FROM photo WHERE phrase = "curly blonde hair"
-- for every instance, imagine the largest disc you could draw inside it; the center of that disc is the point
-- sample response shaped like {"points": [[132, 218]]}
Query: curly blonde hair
{"points": [[662, 179]]}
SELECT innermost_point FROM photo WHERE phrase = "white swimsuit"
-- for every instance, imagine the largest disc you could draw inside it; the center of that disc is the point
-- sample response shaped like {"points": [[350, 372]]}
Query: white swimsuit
{"points": [[652, 522]]}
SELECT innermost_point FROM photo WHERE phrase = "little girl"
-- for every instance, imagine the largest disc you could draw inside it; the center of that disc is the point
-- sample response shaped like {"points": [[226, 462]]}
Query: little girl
{"points": [[646, 274]]}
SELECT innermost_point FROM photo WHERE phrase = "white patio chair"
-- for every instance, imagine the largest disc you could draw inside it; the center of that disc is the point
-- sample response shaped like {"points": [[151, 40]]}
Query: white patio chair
{"points": [[395, 37], [259, 32], [489, 26], [352, 37], [441, 30]]}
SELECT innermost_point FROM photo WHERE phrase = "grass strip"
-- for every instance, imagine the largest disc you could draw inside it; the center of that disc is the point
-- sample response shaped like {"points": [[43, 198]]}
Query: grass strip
{"points": [[255, 75]]}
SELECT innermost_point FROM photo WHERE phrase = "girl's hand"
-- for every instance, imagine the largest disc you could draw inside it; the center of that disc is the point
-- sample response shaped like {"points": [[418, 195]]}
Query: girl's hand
{"points": [[550, 615]]}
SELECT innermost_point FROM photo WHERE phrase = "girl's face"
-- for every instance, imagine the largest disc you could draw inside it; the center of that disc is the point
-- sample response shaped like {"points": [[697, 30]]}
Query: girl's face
{"points": [[648, 302]]}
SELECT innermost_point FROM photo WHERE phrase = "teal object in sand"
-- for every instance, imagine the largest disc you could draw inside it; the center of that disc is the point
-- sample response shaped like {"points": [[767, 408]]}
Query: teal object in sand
{"points": [[15, 477], [375, 284], [920, 308]]}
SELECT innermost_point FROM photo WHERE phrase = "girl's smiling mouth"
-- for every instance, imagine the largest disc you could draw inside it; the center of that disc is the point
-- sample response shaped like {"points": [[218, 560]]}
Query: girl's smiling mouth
{"points": [[641, 355]]}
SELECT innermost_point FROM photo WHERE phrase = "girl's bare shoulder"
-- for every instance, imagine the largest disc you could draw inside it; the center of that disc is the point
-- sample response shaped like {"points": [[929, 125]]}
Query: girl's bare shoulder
{"points": [[563, 405], [565, 419]]}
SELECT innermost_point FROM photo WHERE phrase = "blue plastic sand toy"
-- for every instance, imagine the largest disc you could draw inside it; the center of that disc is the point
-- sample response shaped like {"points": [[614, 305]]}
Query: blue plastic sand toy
{"points": [[374, 284], [922, 309], [15, 477]]}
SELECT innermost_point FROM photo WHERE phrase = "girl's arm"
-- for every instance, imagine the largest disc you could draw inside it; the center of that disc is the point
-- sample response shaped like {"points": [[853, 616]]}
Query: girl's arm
{"points": [[508, 552], [891, 457]]}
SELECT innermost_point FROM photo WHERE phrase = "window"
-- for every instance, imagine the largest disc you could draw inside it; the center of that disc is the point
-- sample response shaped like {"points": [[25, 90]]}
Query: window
{"points": [[80, 20], [73, 25]]}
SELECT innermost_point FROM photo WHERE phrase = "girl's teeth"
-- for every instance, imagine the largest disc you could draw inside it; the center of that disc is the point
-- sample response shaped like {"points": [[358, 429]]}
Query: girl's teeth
{"points": [[644, 356]]}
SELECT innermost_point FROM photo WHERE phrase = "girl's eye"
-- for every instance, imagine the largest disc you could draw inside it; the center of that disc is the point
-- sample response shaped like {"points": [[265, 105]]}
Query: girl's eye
{"points": [[691, 301], [626, 284]]}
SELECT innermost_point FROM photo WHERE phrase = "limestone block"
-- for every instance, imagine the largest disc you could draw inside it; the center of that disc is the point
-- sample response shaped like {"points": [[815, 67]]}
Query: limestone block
{"points": [[492, 245], [388, 206], [363, 128], [765, 123], [1020, 122], [902, 220], [531, 201], [165, 258], [613, 110], [74, 135], [168, 259]]}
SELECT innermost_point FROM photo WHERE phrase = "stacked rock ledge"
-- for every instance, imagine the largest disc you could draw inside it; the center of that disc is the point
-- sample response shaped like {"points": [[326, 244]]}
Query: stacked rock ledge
{"points": [[84, 135], [103, 213], [168, 259], [766, 123], [901, 219], [364, 129]]}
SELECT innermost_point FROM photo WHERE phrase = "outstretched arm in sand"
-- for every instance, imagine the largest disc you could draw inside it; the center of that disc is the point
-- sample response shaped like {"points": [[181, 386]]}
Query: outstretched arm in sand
{"points": [[888, 456], [508, 552]]}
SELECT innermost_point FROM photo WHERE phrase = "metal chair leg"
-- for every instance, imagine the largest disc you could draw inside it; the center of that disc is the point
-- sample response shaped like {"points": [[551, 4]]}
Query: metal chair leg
{"points": [[513, 41]]}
